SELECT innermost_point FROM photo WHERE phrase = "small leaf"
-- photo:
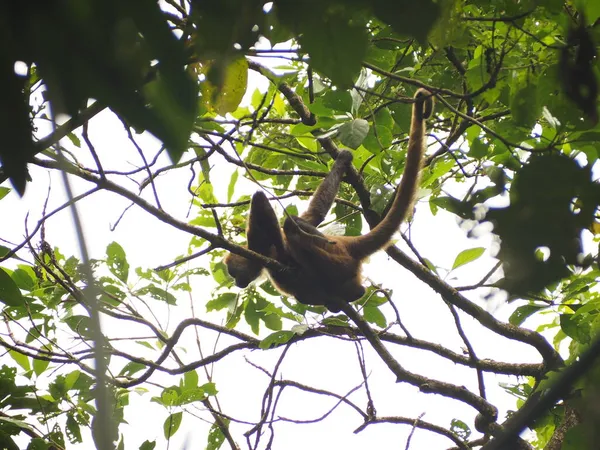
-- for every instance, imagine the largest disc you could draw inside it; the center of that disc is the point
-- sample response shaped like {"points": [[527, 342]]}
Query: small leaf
{"points": [[336, 321], [73, 430], [172, 424], [80, 324], [225, 86], [71, 379], [40, 366], [117, 261], [190, 379], [148, 445], [25, 277], [9, 291], [227, 300], [20, 359], [131, 368], [277, 338], [523, 312], [4, 192], [478, 149], [168, 397], [373, 314], [215, 437], [353, 133], [524, 104], [158, 294], [340, 59], [467, 256], [300, 329], [231, 187]]}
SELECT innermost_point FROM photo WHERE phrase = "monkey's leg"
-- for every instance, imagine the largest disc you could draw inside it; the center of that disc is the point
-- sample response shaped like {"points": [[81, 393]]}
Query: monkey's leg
{"points": [[325, 194], [263, 227], [264, 237]]}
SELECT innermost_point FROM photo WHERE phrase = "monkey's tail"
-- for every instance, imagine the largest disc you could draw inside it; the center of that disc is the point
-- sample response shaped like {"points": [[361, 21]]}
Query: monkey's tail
{"points": [[365, 245]]}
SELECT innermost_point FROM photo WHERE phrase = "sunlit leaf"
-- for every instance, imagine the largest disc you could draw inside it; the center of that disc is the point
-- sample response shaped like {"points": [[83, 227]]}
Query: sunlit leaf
{"points": [[467, 256], [9, 291], [172, 424]]}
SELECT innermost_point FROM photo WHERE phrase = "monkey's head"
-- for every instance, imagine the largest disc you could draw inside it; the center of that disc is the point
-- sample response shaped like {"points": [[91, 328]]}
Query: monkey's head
{"points": [[424, 102], [242, 270], [345, 156]]}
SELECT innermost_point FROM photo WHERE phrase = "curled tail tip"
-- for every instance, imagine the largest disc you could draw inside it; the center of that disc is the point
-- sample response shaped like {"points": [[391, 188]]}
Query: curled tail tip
{"points": [[426, 99]]}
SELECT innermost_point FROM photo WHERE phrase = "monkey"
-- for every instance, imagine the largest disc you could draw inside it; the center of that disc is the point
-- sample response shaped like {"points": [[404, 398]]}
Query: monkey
{"points": [[576, 69], [326, 267], [264, 233]]}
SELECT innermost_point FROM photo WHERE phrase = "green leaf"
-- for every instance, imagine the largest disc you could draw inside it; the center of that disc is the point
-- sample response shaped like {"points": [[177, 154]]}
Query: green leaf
{"points": [[10, 293], [342, 57], [523, 312], [4, 251], [231, 186], [233, 79], [25, 278], [353, 133], [407, 20], [172, 424], [117, 261], [4, 192], [277, 338], [72, 378], [191, 396], [215, 437], [467, 256], [252, 316], [169, 397], [210, 389], [524, 105], [74, 139], [80, 324], [73, 430], [158, 294], [576, 327], [227, 300], [339, 100], [336, 321], [131, 368], [20, 359], [190, 379], [145, 344], [148, 445], [478, 149], [579, 437], [272, 321], [379, 138], [40, 366], [373, 314], [592, 10]]}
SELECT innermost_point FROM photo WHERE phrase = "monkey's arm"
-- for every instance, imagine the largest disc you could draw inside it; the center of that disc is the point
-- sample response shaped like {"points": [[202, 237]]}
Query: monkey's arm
{"points": [[323, 197]]}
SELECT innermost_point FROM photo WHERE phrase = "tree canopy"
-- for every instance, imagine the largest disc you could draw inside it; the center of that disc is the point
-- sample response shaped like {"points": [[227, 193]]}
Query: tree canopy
{"points": [[252, 95]]}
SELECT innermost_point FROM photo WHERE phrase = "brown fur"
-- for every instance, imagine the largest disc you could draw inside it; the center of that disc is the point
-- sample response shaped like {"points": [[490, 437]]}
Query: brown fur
{"points": [[323, 266]]}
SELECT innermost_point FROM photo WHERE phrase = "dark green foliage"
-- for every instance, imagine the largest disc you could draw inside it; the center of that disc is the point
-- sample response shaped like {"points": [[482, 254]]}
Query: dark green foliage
{"points": [[553, 200]]}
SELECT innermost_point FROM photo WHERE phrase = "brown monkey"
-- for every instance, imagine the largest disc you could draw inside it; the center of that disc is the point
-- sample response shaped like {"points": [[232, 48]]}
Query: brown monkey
{"points": [[264, 233], [323, 267], [576, 69]]}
